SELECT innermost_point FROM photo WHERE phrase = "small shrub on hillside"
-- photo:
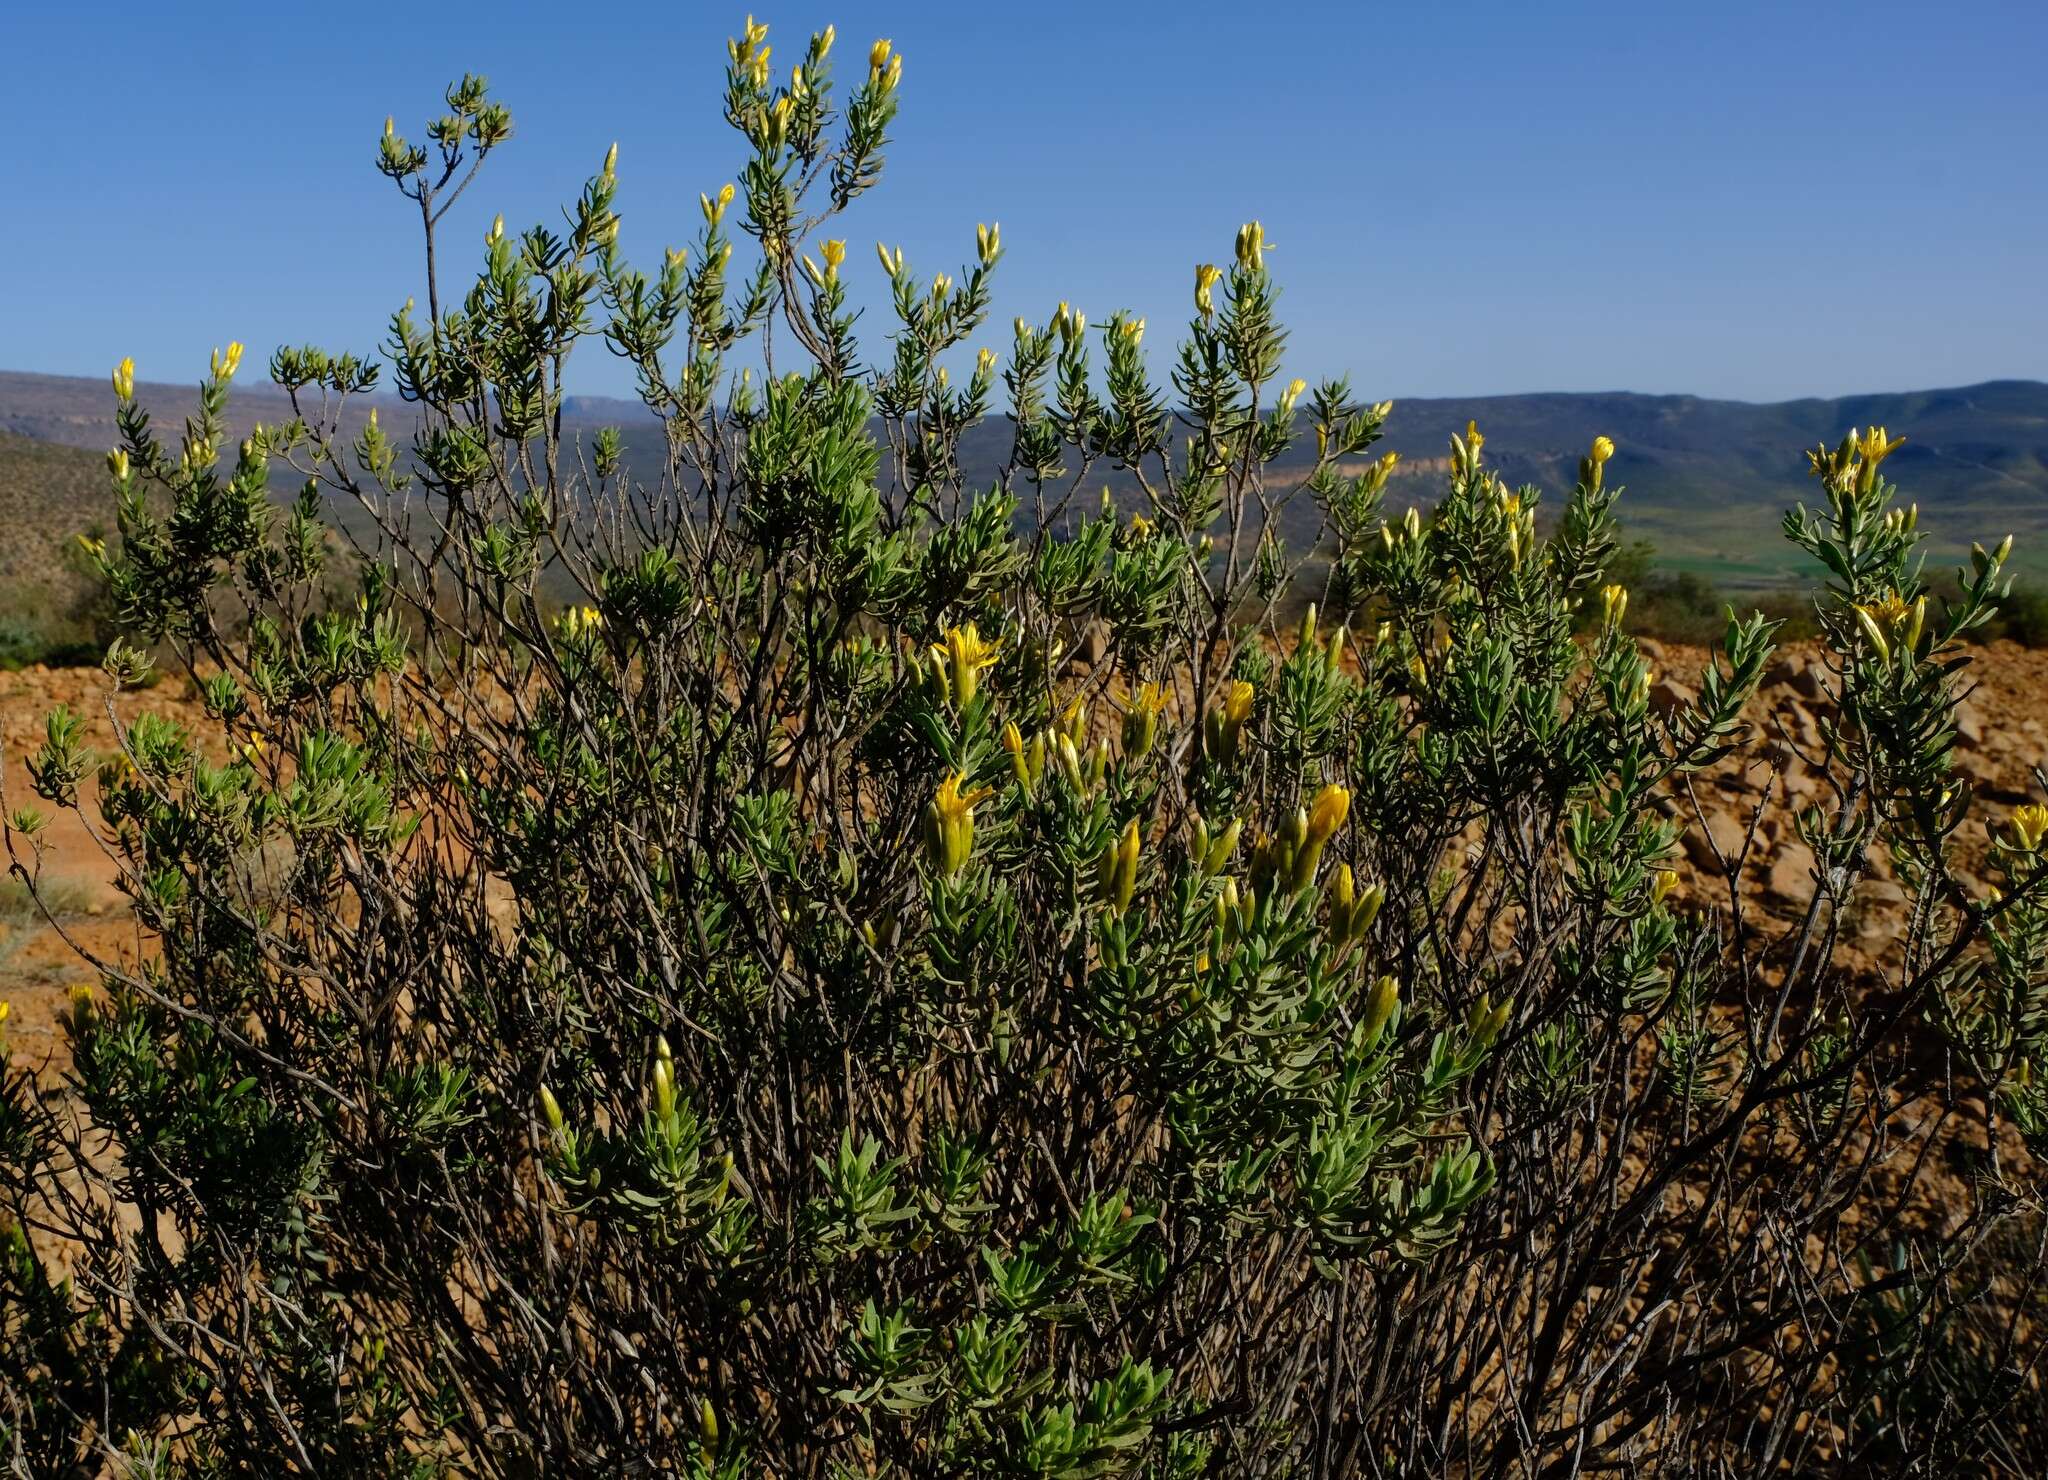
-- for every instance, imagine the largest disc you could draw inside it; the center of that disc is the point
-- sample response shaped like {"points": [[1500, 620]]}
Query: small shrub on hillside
{"points": [[787, 1014]]}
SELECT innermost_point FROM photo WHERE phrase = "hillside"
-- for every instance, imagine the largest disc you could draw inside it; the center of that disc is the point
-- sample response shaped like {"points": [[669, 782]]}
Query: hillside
{"points": [[49, 494], [1707, 479]]}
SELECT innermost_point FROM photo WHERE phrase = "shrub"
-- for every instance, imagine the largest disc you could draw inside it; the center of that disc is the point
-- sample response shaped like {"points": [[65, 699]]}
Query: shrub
{"points": [[781, 1014]]}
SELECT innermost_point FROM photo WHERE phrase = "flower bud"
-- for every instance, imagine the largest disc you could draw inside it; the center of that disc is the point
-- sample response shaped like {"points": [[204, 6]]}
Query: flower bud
{"points": [[1221, 849], [1380, 1008], [1252, 246], [1125, 883], [1332, 805], [1591, 468], [124, 379]]}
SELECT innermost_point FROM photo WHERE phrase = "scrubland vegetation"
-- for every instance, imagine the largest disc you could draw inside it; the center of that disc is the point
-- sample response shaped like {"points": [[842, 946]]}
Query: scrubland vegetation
{"points": [[907, 978]]}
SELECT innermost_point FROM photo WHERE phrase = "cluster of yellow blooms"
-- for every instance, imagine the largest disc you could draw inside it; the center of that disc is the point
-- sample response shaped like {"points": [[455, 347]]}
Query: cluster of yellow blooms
{"points": [[1295, 851], [1852, 465]]}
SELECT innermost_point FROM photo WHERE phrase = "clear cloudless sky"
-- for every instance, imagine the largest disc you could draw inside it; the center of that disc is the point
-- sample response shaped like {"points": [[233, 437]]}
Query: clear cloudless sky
{"points": [[1734, 199]]}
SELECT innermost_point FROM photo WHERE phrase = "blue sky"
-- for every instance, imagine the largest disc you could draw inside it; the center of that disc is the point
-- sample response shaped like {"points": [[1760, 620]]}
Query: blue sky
{"points": [[1758, 201]]}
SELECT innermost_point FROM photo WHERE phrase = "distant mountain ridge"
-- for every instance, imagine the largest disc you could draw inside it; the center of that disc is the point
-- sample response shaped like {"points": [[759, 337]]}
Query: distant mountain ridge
{"points": [[1707, 479]]}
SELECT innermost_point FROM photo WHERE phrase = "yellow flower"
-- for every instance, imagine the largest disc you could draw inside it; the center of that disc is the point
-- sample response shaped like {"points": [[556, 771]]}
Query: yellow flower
{"points": [[1839, 469], [1252, 246], [2029, 826], [895, 73], [1206, 277], [1465, 450], [743, 48], [1661, 885], [5, 1009], [581, 621], [1603, 449], [1327, 813], [124, 379], [1237, 708], [988, 242], [1141, 720], [1382, 469], [984, 361], [949, 825], [965, 655], [1875, 446], [1613, 605], [878, 57]]}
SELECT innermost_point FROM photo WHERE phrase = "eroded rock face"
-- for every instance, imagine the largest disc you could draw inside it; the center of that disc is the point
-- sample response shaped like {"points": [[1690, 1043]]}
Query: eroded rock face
{"points": [[1781, 773]]}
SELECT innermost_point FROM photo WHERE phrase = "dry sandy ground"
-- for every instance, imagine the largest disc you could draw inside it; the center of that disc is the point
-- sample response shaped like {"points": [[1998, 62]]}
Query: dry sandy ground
{"points": [[39, 963]]}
